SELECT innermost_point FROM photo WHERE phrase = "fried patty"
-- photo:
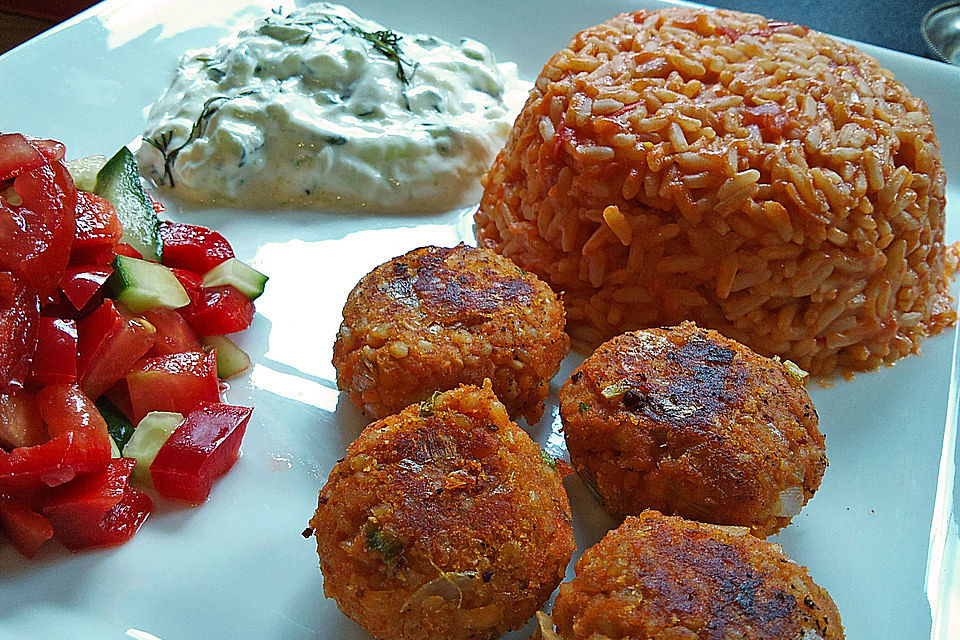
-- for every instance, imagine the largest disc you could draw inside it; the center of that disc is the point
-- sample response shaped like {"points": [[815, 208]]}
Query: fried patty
{"points": [[688, 422], [662, 577], [438, 317], [443, 522]]}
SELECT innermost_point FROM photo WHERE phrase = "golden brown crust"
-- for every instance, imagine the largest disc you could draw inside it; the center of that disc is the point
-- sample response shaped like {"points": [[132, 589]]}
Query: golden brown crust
{"points": [[689, 422], [437, 317], [659, 577], [443, 522]]}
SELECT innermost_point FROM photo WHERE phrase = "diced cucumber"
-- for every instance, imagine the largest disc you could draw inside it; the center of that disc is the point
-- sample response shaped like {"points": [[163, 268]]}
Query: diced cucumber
{"points": [[248, 280], [118, 425], [142, 285], [119, 182], [231, 360], [152, 432], [84, 171]]}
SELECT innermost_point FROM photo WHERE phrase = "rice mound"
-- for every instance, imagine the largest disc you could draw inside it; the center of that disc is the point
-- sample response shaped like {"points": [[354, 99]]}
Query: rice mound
{"points": [[757, 177]]}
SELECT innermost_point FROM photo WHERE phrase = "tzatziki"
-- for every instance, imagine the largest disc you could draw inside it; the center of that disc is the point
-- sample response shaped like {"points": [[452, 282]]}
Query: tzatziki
{"points": [[322, 108]]}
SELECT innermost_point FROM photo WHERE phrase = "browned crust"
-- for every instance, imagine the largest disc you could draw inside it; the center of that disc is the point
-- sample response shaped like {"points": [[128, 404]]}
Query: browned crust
{"points": [[438, 317], [476, 521], [661, 577], [695, 424]]}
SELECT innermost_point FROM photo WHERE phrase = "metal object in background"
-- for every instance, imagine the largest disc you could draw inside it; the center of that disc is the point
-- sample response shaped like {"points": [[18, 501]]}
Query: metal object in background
{"points": [[941, 31]]}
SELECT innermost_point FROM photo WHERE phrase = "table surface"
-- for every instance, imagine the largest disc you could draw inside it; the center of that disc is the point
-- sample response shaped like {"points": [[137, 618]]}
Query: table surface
{"points": [[894, 24]]}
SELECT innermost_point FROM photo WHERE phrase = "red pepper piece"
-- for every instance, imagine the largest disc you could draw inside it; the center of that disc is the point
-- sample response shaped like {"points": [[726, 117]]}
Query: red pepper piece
{"points": [[116, 526], [109, 343], [192, 247], [55, 360], [98, 229], [219, 311], [20, 422], [19, 321], [191, 281], [177, 382], [174, 335], [26, 528], [201, 450], [88, 498], [81, 283], [158, 207], [25, 470], [36, 236]]}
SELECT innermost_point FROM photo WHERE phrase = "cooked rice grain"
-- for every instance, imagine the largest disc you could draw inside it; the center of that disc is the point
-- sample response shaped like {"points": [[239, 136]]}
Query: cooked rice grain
{"points": [[757, 177]]}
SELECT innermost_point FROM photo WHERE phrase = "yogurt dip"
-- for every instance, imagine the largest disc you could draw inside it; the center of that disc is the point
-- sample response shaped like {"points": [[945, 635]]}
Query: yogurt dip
{"points": [[324, 109]]}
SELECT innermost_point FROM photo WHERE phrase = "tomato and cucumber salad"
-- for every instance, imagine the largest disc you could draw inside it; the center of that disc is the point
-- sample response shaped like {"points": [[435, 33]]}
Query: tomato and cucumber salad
{"points": [[113, 347]]}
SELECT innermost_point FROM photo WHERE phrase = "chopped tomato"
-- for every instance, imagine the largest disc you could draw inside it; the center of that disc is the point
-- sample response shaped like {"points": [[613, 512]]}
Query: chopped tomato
{"points": [[192, 247], [81, 283], [19, 320], [25, 470], [177, 382], [87, 498], [36, 236], [219, 311], [51, 149], [26, 528], [17, 155], [98, 229], [174, 335], [115, 527], [769, 117], [65, 408], [20, 421], [55, 360], [110, 342], [201, 450]]}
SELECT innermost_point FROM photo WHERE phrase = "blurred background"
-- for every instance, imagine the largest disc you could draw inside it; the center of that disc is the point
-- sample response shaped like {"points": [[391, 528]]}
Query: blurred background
{"points": [[894, 24]]}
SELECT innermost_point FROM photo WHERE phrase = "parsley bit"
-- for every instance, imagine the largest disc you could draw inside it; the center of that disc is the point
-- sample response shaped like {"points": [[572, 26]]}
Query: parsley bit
{"points": [[548, 460], [427, 407]]}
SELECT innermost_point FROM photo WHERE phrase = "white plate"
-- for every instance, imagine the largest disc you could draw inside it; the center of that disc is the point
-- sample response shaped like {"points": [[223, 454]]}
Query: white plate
{"points": [[880, 535]]}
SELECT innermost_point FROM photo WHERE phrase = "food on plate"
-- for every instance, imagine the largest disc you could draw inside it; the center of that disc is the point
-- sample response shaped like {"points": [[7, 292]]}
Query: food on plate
{"points": [[658, 577], [103, 373], [688, 422], [755, 176], [437, 317], [323, 108], [445, 521]]}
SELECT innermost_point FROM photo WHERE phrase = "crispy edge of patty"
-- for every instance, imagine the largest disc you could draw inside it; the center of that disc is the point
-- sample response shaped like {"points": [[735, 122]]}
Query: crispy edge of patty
{"points": [[679, 579], [436, 317], [404, 486], [696, 424]]}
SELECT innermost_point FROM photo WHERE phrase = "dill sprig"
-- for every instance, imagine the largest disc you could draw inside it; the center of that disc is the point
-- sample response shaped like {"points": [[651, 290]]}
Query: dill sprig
{"points": [[385, 42], [164, 139]]}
